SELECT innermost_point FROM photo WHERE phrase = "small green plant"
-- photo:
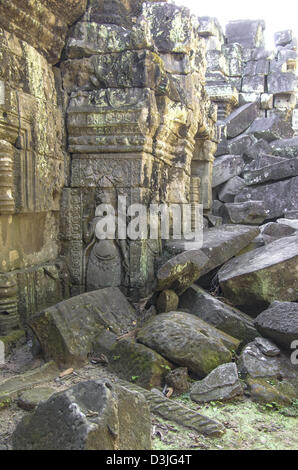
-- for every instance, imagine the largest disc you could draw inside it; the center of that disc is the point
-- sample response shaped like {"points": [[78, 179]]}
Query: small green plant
{"points": [[185, 397], [134, 378], [116, 358]]}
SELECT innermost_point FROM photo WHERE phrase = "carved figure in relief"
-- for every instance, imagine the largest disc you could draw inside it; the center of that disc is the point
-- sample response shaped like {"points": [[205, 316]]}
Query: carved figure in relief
{"points": [[108, 261]]}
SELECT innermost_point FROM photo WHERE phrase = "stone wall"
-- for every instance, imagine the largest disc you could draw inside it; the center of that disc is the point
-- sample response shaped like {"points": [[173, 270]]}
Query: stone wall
{"points": [[32, 36], [137, 117], [103, 99], [95, 103]]}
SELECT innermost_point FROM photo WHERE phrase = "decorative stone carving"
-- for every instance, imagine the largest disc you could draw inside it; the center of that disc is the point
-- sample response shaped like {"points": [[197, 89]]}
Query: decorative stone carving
{"points": [[9, 318], [7, 205]]}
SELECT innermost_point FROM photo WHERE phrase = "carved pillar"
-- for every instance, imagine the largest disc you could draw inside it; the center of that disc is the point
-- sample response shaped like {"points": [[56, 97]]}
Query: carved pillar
{"points": [[195, 184], [7, 205], [9, 318]]}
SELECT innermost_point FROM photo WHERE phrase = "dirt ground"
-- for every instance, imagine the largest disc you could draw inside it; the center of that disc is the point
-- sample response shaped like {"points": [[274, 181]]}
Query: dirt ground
{"points": [[249, 426]]}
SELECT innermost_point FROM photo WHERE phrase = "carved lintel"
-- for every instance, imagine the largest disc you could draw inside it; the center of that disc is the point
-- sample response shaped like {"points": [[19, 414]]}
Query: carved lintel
{"points": [[7, 204]]}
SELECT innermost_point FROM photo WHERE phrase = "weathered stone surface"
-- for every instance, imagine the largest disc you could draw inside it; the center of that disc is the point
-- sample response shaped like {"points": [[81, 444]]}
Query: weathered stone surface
{"points": [[282, 38], [261, 147], [278, 171], [43, 25], [277, 230], [252, 87], [278, 197], [255, 364], [172, 410], [259, 277], [283, 82], [271, 128], [178, 380], [256, 67], [66, 331], [12, 386], [261, 161], [279, 323], [266, 101], [241, 144], [132, 361], [250, 212], [231, 188], [188, 341], [290, 223], [221, 384], [285, 147], [241, 119], [261, 391], [248, 33], [181, 271], [226, 167], [219, 244], [94, 415], [267, 347], [222, 316], [167, 300], [30, 399]]}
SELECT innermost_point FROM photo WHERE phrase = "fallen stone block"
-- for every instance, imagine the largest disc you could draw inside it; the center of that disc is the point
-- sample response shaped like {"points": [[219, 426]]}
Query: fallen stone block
{"points": [[271, 128], [66, 331], [261, 161], [167, 301], [180, 272], [240, 119], [250, 212], [291, 223], [279, 323], [218, 314], [267, 347], [221, 384], [254, 363], [261, 147], [219, 245], [188, 341], [255, 279], [261, 391], [231, 188], [30, 399], [281, 170], [285, 147], [241, 144], [10, 388], [132, 361], [225, 167], [278, 197], [93, 415], [282, 38], [277, 230], [172, 410]]}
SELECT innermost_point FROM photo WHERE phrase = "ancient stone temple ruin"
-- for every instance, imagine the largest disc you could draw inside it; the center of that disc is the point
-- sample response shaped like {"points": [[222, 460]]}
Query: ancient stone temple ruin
{"points": [[143, 102], [96, 102]]}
